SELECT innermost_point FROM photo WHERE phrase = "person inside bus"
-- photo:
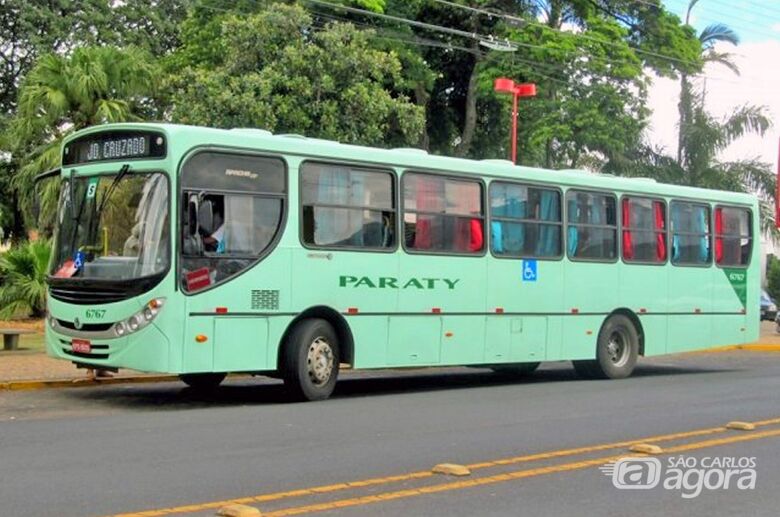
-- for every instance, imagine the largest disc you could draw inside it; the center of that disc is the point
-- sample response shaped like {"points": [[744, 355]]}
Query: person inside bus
{"points": [[214, 237]]}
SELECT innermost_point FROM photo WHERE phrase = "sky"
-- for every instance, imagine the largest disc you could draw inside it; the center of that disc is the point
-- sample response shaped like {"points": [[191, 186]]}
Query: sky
{"points": [[758, 57]]}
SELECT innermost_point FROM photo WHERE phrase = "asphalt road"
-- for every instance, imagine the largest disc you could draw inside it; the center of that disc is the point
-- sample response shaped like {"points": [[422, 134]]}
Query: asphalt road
{"points": [[116, 449]]}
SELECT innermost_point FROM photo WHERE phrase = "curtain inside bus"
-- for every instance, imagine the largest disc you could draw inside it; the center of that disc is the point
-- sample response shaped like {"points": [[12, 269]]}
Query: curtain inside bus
{"points": [[337, 186], [572, 232], [510, 237], [658, 212], [703, 227], [628, 245], [549, 210]]}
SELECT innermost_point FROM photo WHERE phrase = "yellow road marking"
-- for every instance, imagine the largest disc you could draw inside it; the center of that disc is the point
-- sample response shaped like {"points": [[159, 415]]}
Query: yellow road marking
{"points": [[426, 474], [518, 474]]}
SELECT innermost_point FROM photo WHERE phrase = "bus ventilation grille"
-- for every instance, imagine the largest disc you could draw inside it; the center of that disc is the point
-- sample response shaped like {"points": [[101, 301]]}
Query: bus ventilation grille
{"points": [[265, 299]]}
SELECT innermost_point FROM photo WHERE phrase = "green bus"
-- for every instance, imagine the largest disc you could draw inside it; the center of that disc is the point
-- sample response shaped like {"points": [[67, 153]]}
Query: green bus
{"points": [[200, 252]]}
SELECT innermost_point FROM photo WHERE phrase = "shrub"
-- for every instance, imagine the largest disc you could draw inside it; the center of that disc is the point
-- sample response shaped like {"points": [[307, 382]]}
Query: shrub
{"points": [[23, 285]]}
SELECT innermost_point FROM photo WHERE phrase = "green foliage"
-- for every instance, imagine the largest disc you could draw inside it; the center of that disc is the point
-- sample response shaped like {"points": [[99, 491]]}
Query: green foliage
{"points": [[278, 73], [23, 272], [61, 94], [773, 278]]}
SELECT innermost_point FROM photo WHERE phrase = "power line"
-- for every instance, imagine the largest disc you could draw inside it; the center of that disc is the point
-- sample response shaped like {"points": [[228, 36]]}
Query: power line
{"points": [[448, 45], [583, 36]]}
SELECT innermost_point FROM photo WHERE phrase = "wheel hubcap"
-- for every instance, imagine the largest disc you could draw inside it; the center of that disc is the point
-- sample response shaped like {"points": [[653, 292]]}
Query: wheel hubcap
{"points": [[319, 361], [618, 348]]}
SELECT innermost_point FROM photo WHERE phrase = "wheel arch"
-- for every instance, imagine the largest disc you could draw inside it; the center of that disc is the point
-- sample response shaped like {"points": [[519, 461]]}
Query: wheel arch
{"points": [[337, 321], [631, 315]]}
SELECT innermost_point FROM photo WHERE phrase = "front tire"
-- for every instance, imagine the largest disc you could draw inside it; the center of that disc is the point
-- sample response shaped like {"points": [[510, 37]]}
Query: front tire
{"points": [[617, 350], [310, 362], [202, 381]]}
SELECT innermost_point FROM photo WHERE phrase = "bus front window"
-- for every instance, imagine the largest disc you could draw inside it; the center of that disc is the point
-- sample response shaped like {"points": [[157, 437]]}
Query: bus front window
{"points": [[114, 228]]}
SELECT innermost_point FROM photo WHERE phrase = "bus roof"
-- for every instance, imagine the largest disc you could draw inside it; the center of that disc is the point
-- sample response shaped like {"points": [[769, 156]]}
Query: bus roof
{"points": [[412, 158]]}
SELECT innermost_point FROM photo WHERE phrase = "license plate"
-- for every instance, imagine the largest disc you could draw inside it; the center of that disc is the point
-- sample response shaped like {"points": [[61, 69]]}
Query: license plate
{"points": [[81, 346]]}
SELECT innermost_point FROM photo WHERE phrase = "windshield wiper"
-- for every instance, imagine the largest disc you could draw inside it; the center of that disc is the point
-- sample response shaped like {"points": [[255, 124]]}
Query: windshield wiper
{"points": [[110, 190], [95, 219]]}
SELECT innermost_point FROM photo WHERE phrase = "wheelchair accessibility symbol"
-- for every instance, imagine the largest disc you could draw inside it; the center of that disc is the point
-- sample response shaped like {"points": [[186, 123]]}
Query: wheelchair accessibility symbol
{"points": [[529, 271]]}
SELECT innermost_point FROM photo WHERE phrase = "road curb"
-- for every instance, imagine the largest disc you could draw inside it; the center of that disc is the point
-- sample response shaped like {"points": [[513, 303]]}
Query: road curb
{"points": [[754, 347], [39, 384]]}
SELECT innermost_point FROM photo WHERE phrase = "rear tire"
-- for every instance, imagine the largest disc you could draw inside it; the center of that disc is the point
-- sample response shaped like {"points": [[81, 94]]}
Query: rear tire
{"points": [[518, 369], [310, 360], [202, 381], [617, 350]]}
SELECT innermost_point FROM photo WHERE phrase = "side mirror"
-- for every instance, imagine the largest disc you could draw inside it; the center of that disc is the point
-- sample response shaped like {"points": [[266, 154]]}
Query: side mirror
{"points": [[36, 204], [206, 216], [192, 216]]}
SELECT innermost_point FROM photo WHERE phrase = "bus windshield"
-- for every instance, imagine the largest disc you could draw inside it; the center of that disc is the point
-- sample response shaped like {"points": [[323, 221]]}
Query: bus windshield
{"points": [[114, 228]]}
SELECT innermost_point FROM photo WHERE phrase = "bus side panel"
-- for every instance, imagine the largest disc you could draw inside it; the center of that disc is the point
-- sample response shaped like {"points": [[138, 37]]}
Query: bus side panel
{"points": [[459, 334], [241, 344], [644, 290], [579, 336], [199, 357], [536, 296], [591, 294], [414, 341], [728, 328], [690, 290], [655, 328], [455, 286], [371, 333]]}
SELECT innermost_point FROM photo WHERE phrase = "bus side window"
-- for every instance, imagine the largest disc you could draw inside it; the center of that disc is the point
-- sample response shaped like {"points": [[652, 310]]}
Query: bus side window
{"points": [[235, 206], [525, 220], [644, 229], [443, 214], [690, 233], [733, 236], [592, 225], [344, 206]]}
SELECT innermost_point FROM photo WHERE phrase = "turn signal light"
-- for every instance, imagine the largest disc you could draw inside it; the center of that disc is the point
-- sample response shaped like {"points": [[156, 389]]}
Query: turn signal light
{"points": [[200, 338]]}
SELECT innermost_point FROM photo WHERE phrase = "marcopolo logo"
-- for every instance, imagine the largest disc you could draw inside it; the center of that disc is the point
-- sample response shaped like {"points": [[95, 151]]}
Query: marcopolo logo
{"points": [[686, 474]]}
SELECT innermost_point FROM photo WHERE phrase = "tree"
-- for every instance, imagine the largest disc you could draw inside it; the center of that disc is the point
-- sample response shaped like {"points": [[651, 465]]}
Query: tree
{"points": [[23, 272], [702, 137], [279, 72], [585, 77], [709, 37], [62, 94]]}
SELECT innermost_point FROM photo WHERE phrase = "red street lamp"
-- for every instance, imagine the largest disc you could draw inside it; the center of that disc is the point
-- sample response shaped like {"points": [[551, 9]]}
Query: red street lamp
{"points": [[504, 85]]}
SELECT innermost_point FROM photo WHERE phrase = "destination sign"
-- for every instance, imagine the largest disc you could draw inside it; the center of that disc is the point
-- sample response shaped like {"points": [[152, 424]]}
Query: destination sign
{"points": [[124, 145]]}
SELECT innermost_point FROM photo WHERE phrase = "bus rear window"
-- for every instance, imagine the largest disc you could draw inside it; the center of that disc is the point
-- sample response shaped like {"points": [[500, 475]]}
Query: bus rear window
{"points": [[443, 214], [733, 236]]}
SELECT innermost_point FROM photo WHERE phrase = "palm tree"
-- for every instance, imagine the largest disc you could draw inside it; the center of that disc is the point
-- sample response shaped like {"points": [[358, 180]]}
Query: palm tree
{"points": [[62, 94], [709, 37], [22, 279], [701, 137]]}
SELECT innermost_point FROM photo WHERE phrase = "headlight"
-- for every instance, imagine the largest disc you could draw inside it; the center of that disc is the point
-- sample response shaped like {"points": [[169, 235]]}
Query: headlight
{"points": [[140, 319], [772, 307]]}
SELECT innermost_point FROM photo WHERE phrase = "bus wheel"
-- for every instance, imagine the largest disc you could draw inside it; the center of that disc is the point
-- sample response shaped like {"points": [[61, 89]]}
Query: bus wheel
{"points": [[616, 351], [311, 360], [519, 369], [202, 381]]}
